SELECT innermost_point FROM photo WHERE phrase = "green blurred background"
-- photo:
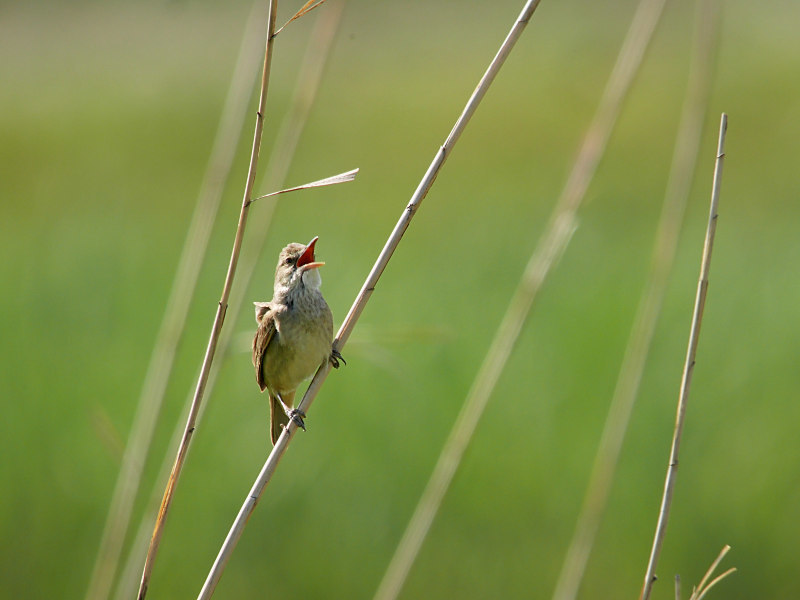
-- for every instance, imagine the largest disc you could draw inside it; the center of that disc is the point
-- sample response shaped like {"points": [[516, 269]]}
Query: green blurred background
{"points": [[107, 115]]}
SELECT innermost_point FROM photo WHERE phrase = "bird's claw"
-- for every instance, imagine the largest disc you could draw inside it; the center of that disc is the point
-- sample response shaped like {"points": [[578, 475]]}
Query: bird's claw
{"points": [[335, 358], [297, 416], [294, 414]]}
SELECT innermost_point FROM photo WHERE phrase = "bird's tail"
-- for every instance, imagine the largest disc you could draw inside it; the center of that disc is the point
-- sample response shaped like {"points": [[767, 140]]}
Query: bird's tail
{"points": [[277, 417]]}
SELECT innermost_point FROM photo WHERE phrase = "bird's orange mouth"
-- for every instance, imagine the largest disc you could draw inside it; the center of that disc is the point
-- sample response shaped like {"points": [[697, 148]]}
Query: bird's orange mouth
{"points": [[306, 259]]}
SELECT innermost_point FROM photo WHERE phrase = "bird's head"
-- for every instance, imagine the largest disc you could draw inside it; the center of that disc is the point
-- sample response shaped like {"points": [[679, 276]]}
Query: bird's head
{"points": [[297, 268]]}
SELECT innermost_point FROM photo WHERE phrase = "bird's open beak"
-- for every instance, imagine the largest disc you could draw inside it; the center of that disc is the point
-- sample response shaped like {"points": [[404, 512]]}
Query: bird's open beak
{"points": [[306, 259]]}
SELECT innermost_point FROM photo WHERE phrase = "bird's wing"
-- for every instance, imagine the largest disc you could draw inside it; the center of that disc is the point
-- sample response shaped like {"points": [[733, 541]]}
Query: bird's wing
{"points": [[261, 309], [264, 334]]}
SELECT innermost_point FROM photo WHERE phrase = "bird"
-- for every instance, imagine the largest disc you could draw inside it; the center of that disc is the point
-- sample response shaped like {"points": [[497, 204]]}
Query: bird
{"points": [[295, 334]]}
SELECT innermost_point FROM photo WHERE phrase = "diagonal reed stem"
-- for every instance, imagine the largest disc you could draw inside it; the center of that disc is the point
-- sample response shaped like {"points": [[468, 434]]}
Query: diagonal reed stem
{"points": [[283, 151], [630, 374], [704, 585], [688, 368], [553, 243], [363, 296], [174, 319], [219, 318]]}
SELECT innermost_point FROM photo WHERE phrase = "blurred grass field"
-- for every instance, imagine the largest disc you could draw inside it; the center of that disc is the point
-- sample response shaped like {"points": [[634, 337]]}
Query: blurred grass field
{"points": [[107, 114]]}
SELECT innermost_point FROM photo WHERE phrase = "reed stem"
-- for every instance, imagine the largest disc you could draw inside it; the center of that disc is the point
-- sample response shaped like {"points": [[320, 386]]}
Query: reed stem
{"points": [[688, 368], [633, 363], [172, 325], [219, 318], [363, 297]]}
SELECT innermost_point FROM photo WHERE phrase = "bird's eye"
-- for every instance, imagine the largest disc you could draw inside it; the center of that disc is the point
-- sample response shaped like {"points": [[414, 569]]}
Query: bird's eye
{"points": [[288, 261]]}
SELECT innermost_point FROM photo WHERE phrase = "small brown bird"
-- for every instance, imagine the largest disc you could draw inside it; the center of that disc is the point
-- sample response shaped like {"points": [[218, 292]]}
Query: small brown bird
{"points": [[294, 336]]}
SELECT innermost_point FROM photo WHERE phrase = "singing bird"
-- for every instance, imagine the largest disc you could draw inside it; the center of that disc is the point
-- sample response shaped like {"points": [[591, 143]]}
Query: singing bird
{"points": [[294, 335]]}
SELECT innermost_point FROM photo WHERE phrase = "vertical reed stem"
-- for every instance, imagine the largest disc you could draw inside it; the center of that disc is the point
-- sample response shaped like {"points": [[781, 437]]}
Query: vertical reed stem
{"points": [[174, 319], [688, 368], [637, 349], [220, 315], [283, 151]]}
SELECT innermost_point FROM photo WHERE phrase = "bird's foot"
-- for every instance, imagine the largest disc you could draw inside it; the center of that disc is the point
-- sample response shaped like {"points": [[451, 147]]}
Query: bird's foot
{"points": [[297, 416], [334, 359], [294, 414]]}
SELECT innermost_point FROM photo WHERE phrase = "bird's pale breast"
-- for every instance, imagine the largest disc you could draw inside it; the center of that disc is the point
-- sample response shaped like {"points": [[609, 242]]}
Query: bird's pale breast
{"points": [[302, 342]]}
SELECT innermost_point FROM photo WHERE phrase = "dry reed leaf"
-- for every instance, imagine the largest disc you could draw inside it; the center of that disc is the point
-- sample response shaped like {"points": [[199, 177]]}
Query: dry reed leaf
{"points": [[333, 180], [307, 7]]}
